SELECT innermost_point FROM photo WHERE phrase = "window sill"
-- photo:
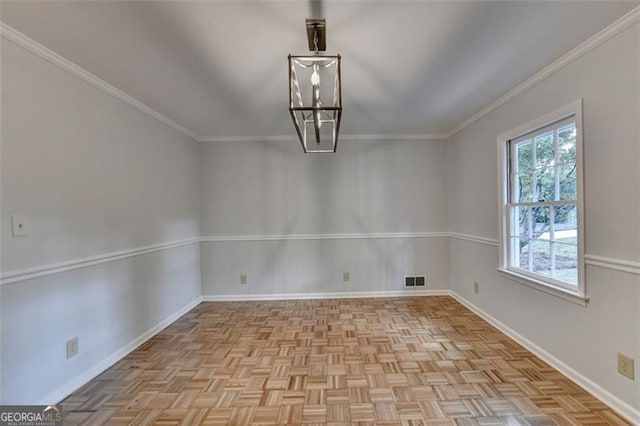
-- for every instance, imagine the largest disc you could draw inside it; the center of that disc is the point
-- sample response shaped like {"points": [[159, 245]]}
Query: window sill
{"points": [[545, 288]]}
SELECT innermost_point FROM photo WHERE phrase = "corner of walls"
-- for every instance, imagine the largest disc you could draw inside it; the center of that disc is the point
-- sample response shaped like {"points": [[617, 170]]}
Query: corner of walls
{"points": [[581, 342], [110, 198], [294, 223], [629, 412], [67, 388]]}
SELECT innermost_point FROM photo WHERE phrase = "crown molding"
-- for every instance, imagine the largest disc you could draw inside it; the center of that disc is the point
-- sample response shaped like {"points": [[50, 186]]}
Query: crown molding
{"points": [[607, 33], [276, 138], [16, 37], [348, 137], [400, 137]]}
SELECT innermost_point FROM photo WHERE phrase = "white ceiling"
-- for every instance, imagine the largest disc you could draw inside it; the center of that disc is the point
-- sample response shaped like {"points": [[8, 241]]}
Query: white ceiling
{"points": [[219, 68]]}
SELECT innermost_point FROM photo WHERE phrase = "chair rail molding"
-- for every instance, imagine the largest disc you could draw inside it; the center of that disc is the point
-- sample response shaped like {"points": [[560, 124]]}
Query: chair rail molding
{"points": [[620, 265], [56, 268], [224, 238]]}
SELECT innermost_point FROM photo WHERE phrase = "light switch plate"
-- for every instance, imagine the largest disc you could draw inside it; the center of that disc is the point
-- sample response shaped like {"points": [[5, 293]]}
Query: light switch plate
{"points": [[19, 226], [72, 347]]}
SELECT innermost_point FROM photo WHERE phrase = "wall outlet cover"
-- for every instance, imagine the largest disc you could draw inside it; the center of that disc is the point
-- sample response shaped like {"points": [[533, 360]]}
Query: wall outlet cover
{"points": [[625, 366], [243, 278], [72, 347], [19, 225], [346, 276], [476, 287]]}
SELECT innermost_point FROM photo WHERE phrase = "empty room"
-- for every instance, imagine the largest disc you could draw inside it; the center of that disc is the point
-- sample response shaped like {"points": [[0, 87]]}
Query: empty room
{"points": [[320, 212]]}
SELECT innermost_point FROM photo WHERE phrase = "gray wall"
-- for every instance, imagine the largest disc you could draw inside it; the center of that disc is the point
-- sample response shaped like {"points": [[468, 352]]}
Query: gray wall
{"points": [[257, 190], [585, 338], [94, 176]]}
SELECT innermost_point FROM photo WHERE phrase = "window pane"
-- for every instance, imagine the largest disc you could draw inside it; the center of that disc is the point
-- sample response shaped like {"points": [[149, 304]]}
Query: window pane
{"points": [[543, 236], [524, 154], [565, 224], [520, 253], [566, 262], [567, 144], [541, 222], [544, 150], [545, 184], [541, 257], [520, 222], [523, 188], [567, 176]]}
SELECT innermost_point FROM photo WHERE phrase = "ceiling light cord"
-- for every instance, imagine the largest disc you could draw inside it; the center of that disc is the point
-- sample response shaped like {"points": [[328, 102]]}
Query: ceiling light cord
{"points": [[315, 41]]}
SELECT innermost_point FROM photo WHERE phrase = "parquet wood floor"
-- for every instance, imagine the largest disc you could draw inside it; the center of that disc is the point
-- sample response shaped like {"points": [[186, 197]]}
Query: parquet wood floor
{"points": [[395, 361]]}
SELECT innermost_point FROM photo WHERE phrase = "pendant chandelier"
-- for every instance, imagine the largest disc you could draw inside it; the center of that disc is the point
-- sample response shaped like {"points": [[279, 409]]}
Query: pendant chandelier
{"points": [[315, 93]]}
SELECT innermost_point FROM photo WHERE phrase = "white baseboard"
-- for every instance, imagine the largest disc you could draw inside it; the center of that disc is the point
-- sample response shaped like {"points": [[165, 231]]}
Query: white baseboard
{"points": [[72, 385], [335, 295], [627, 411]]}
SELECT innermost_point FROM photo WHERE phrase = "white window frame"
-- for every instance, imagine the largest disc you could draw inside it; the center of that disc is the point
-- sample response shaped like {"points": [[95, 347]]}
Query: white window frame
{"points": [[540, 282]]}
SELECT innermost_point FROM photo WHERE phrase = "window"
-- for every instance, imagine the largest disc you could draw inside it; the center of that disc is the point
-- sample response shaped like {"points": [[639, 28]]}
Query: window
{"points": [[541, 211]]}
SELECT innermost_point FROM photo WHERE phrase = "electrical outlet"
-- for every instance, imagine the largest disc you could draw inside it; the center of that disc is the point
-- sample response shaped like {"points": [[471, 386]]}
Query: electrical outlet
{"points": [[243, 278], [346, 277], [409, 281], [72, 347], [476, 287], [421, 281], [19, 226], [625, 366]]}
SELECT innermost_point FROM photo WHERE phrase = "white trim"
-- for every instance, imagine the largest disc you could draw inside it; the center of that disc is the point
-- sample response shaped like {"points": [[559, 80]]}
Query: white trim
{"points": [[274, 138], [607, 33], [351, 137], [224, 238], [574, 110], [333, 295], [398, 137], [620, 265], [614, 264], [545, 287], [561, 113], [50, 56], [630, 413], [72, 385], [474, 238], [56, 268]]}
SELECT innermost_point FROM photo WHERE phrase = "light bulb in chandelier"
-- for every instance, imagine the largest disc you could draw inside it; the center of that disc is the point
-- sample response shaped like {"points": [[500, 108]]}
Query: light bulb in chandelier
{"points": [[315, 87], [315, 98], [315, 77]]}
